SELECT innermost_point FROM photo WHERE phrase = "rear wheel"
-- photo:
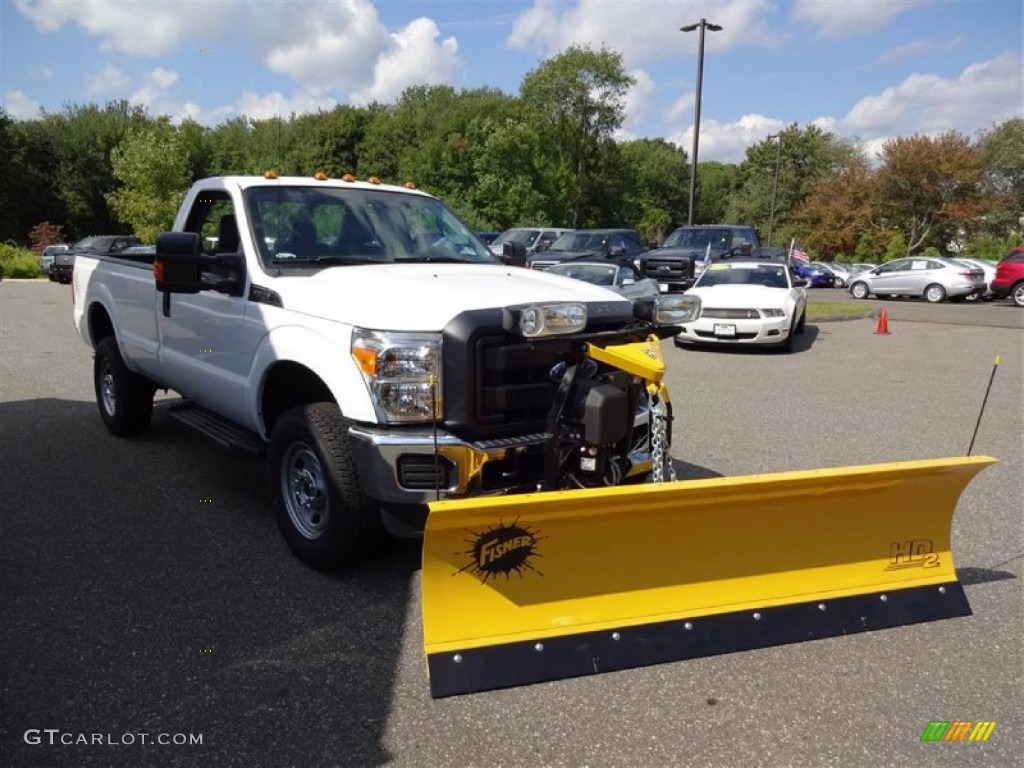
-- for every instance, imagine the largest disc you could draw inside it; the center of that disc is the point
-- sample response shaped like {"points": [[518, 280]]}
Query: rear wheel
{"points": [[1017, 294], [125, 399], [321, 509], [859, 290], [935, 293]]}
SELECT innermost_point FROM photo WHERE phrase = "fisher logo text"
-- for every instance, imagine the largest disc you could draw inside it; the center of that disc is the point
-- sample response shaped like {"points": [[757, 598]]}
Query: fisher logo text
{"points": [[502, 550], [958, 730], [915, 553]]}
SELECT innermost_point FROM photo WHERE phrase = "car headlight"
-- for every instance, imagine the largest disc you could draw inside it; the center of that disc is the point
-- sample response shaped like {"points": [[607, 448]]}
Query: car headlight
{"points": [[772, 313], [676, 308], [402, 372], [551, 319]]}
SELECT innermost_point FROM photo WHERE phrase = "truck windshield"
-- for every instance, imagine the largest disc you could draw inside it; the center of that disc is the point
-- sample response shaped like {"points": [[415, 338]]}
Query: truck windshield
{"points": [[309, 225], [699, 238]]}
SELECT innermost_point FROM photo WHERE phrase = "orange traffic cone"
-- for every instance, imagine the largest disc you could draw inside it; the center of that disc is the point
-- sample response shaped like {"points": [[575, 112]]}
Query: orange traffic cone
{"points": [[883, 324]]}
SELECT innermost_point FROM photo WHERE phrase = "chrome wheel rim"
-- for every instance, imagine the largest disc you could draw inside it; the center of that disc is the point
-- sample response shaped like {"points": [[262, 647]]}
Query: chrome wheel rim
{"points": [[934, 294], [108, 389], [1018, 295], [304, 491]]}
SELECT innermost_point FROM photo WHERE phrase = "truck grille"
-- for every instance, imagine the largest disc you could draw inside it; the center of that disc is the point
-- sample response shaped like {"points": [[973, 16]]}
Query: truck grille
{"points": [[667, 269]]}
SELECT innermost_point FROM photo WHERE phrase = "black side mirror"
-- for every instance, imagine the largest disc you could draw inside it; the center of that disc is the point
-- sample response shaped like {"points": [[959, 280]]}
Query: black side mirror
{"points": [[513, 254], [178, 263]]}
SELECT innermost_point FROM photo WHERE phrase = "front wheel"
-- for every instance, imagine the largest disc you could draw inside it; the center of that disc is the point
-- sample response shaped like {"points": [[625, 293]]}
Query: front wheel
{"points": [[859, 290], [125, 399], [935, 293], [321, 509], [1017, 294]]}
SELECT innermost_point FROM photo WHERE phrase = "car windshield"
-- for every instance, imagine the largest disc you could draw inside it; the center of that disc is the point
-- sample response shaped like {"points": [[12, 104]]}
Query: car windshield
{"points": [[93, 243], [304, 225], [699, 238], [598, 274], [524, 236], [765, 275], [580, 241]]}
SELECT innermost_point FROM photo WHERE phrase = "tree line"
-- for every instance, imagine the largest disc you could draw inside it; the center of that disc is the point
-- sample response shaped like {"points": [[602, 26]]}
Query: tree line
{"points": [[546, 155]]}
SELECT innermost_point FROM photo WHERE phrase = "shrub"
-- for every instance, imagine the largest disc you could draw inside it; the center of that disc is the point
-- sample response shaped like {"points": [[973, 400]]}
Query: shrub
{"points": [[18, 262]]}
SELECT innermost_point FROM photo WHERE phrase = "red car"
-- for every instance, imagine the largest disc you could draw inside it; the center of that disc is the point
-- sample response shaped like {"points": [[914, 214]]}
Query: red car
{"points": [[1009, 279]]}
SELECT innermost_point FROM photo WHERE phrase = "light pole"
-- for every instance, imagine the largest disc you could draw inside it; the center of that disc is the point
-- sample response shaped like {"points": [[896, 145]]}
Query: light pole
{"points": [[775, 184], [702, 25]]}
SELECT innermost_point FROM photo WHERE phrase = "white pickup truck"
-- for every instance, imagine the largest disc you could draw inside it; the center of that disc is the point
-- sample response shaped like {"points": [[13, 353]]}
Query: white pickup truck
{"points": [[362, 337]]}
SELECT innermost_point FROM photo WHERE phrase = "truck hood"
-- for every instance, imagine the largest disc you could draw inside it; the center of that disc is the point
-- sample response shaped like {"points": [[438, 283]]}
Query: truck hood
{"points": [[424, 297]]}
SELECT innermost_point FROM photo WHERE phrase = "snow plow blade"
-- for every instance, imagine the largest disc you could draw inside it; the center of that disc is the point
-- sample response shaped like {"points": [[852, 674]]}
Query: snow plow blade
{"points": [[523, 589]]}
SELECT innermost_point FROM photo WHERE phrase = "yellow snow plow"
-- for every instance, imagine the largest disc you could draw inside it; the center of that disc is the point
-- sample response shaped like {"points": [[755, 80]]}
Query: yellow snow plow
{"points": [[522, 589]]}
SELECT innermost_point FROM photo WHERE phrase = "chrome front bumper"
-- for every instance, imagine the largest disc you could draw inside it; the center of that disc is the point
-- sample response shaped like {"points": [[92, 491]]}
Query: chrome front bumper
{"points": [[377, 453]]}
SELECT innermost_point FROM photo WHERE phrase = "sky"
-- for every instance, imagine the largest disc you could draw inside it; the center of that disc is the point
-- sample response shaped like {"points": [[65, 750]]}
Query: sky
{"points": [[869, 70]]}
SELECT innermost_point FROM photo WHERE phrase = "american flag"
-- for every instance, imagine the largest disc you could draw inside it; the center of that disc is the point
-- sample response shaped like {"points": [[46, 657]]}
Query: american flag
{"points": [[799, 254]]}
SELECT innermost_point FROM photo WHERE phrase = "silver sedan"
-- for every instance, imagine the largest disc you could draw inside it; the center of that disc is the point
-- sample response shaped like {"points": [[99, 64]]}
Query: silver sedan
{"points": [[935, 278]]}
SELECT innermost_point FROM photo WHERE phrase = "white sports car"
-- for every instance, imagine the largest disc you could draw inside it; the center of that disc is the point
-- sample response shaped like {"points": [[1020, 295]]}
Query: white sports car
{"points": [[747, 302]]}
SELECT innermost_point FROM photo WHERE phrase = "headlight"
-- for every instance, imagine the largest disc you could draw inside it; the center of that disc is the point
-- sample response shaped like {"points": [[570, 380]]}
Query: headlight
{"points": [[676, 308], [698, 268], [402, 371], [772, 313], [552, 319]]}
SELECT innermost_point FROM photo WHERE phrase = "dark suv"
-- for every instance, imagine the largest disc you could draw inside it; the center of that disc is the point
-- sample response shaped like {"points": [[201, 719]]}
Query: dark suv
{"points": [[589, 244], [1009, 279], [64, 262]]}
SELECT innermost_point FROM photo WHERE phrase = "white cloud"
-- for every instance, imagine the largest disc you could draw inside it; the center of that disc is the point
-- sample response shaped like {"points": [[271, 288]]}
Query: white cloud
{"points": [[835, 18], [681, 108], [19, 106], [414, 57], [323, 45], [106, 82], [917, 48], [152, 94], [642, 32], [267, 105], [985, 92], [122, 28], [340, 44], [727, 142], [641, 99]]}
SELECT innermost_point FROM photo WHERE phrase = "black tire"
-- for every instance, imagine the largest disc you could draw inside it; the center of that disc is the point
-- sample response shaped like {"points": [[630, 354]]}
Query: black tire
{"points": [[125, 399], [859, 290], [801, 324], [53, 279], [1017, 294], [322, 511], [935, 294]]}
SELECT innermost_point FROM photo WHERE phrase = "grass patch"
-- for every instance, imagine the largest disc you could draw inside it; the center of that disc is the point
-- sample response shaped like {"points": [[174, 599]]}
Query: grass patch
{"points": [[18, 262], [836, 310]]}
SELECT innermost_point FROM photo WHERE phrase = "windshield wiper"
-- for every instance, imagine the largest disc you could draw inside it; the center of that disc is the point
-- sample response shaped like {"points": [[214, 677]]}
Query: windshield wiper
{"points": [[428, 259], [333, 259]]}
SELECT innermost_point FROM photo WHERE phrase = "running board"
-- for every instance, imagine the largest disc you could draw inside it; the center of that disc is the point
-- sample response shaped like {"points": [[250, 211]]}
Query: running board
{"points": [[228, 435]]}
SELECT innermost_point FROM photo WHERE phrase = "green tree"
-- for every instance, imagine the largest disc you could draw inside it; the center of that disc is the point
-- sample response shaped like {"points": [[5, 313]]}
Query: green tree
{"points": [[656, 186], [1003, 150], [714, 191], [152, 165], [577, 99], [806, 157]]}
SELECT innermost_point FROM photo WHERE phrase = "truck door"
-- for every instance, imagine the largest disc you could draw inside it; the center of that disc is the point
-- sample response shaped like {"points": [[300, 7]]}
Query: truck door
{"points": [[206, 347]]}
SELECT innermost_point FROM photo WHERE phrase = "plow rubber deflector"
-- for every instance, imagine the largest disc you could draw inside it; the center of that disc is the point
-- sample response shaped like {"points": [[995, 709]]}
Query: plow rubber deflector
{"points": [[542, 586]]}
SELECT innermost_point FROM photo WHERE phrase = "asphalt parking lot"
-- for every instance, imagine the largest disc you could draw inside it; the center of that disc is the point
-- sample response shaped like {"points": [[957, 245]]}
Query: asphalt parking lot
{"points": [[146, 588]]}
